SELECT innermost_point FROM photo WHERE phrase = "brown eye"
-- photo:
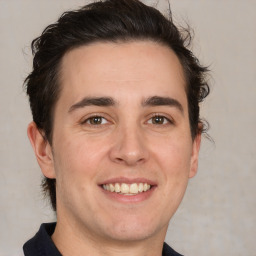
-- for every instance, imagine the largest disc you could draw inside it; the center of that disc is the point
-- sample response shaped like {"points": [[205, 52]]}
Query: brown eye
{"points": [[96, 120], [159, 120]]}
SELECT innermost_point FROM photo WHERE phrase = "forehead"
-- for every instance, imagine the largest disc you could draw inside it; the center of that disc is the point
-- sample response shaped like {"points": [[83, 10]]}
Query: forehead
{"points": [[132, 67]]}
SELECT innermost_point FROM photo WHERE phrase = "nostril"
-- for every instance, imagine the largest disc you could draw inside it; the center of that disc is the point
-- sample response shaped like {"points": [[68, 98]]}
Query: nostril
{"points": [[131, 153], [129, 161], [118, 159], [141, 160]]}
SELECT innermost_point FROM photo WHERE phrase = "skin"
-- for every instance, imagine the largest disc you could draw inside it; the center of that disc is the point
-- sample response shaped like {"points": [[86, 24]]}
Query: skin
{"points": [[127, 144]]}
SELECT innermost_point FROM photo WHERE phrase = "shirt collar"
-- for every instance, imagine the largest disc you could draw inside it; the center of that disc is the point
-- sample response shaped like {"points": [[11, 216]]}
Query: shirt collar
{"points": [[42, 245]]}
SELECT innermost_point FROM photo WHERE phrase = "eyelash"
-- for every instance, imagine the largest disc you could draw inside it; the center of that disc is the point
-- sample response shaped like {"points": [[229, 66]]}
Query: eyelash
{"points": [[166, 120], [90, 118]]}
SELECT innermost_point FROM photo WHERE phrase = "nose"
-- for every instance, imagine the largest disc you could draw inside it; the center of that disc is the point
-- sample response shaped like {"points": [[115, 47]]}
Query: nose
{"points": [[129, 147]]}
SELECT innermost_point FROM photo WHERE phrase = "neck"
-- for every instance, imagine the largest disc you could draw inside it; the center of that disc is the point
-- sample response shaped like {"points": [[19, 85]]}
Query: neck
{"points": [[71, 241]]}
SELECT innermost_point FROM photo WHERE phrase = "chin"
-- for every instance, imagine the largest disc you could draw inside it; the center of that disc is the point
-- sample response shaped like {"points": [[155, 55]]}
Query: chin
{"points": [[131, 231]]}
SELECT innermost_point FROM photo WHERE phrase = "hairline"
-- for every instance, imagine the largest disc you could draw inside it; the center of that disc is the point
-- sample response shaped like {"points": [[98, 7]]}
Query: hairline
{"points": [[117, 41]]}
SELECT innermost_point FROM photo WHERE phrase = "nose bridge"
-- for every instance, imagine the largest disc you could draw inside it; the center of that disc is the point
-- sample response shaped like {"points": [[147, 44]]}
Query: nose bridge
{"points": [[129, 146]]}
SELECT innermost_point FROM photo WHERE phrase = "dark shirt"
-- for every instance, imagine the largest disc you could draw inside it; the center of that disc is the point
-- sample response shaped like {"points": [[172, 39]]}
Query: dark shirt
{"points": [[42, 245]]}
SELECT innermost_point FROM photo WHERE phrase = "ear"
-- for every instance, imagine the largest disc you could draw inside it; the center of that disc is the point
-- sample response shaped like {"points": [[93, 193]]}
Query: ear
{"points": [[42, 149], [195, 154]]}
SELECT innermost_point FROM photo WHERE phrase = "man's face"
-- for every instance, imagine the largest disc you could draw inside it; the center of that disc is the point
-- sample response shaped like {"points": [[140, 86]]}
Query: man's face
{"points": [[122, 148]]}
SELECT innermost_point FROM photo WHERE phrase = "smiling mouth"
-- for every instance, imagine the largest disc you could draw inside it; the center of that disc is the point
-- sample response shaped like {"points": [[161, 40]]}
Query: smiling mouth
{"points": [[127, 189]]}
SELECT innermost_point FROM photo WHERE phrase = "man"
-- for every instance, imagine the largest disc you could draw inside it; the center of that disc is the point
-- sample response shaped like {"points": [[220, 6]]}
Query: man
{"points": [[115, 97]]}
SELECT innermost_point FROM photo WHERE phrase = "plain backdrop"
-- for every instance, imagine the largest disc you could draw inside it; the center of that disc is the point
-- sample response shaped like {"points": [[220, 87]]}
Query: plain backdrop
{"points": [[218, 213]]}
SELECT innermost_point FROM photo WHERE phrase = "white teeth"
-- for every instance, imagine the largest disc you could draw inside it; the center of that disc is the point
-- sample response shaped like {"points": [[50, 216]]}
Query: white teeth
{"points": [[134, 188], [117, 188], [141, 187], [112, 188], [127, 189]]}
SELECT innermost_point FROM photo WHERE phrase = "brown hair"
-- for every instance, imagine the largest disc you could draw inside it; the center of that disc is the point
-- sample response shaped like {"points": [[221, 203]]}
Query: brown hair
{"points": [[110, 21]]}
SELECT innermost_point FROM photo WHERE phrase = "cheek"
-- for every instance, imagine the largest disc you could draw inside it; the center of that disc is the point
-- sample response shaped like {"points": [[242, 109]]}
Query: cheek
{"points": [[173, 154], [78, 157], [77, 164], [174, 161]]}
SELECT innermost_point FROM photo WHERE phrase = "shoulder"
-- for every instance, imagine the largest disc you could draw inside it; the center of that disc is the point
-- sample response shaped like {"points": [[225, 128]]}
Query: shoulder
{"points": [[41, 244], [168, 251]]}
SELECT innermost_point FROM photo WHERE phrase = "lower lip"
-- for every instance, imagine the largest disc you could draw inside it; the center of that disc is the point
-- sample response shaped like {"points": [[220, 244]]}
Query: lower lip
{"points": [[129, 198]]}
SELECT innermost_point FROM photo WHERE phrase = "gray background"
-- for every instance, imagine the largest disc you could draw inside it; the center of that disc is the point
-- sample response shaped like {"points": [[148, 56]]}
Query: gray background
{"points": [[218, 213]]}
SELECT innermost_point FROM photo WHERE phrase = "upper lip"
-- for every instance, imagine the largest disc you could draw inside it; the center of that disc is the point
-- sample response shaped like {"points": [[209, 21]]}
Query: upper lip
{"points": [[128, 181]]}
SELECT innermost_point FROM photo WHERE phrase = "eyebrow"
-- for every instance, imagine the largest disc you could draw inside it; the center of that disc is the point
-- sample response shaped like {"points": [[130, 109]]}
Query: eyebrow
{"points": [[108, 101], [93, 101], [163, 101]]}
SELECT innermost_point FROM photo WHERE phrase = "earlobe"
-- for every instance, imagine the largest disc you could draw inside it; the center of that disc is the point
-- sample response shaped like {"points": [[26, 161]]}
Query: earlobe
{"points": [[42, 149], [195, 155]]}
